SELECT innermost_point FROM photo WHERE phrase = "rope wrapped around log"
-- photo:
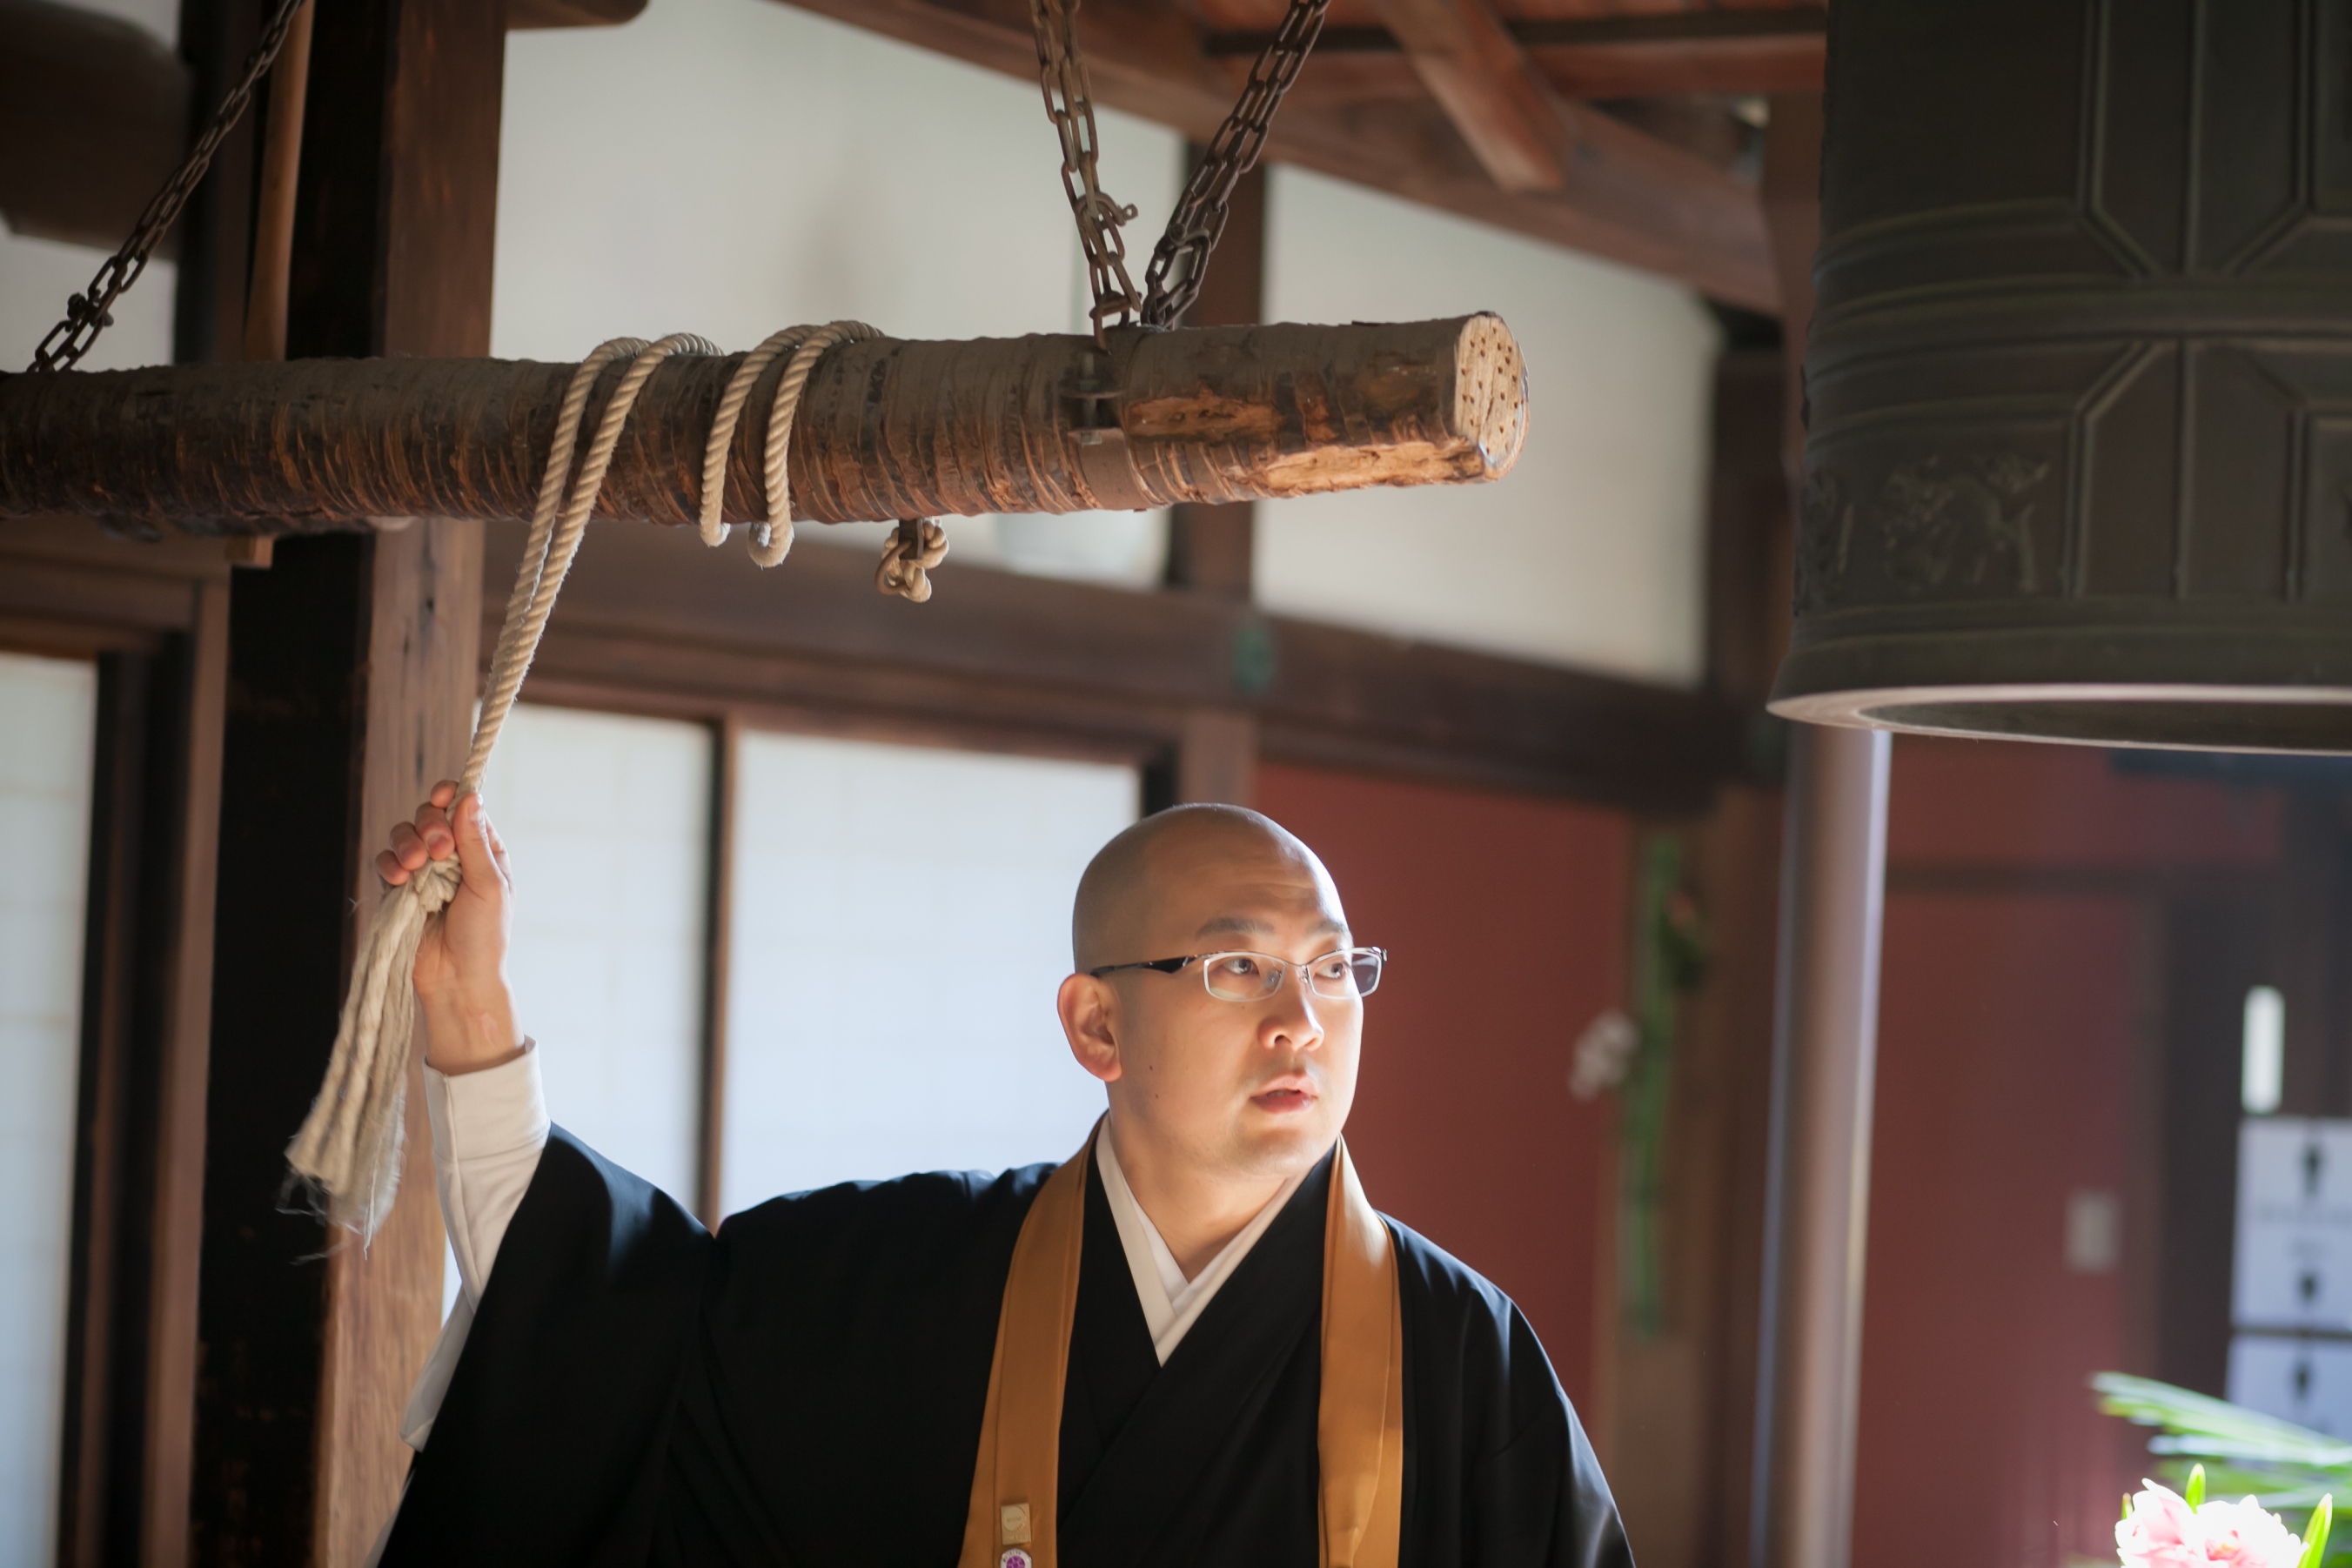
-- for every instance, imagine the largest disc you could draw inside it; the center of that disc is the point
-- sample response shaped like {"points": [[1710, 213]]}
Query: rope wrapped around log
{"points": [[887, 429]]}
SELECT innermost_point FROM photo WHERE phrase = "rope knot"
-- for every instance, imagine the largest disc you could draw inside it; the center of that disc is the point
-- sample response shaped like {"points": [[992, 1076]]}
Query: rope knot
{"points": [[917, 545], [435, 885]]}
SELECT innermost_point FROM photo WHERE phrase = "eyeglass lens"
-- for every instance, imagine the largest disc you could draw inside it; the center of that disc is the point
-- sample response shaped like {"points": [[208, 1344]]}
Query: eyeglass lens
{"points": [[1253, 976]]}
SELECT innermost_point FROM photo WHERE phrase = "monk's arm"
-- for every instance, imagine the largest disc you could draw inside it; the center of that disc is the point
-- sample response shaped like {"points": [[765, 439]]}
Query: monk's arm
{"points": [[481, 1078], [490, 1129]]}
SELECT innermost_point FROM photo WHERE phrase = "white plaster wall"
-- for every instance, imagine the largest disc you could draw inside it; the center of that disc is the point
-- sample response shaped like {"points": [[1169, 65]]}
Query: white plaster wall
{"points": [[901, 922], [1590, 553], [47, 714], [733, 166]]}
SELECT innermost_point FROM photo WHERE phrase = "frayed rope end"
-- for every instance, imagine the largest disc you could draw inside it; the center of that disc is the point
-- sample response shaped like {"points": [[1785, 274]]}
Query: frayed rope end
{"points": [[344, 1164]]}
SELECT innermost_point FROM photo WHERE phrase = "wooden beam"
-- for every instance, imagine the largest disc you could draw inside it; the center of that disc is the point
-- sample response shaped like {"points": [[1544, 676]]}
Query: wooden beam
{"points": [[885, 430], [1212, 549], [353, 660], [1741, 51], [1216, 757], [167, 1459], [279, 954], [653, 621], [216, 229], [1488, 86], [441, 103], [1625, 196], [1663, 29], [93, 114], [533, 14]]}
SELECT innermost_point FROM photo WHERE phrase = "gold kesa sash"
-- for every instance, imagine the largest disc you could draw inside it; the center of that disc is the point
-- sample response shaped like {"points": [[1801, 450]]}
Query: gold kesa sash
{"points": [[1360, 1422]]}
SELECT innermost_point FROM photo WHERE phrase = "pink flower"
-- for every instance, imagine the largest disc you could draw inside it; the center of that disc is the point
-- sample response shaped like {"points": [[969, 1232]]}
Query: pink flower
{"points": [[2163, 1532]]}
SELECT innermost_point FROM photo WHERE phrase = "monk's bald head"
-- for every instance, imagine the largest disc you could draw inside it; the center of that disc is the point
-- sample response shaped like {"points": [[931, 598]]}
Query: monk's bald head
{"points": [[1179, 863]]}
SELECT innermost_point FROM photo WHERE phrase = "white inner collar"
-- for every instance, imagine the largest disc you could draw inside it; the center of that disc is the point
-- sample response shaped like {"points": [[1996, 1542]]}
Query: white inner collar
{"points": [[1170, 1302]]}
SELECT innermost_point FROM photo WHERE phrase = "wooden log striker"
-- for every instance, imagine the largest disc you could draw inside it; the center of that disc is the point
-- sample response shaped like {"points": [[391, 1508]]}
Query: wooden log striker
{"points": [[885, 429]]}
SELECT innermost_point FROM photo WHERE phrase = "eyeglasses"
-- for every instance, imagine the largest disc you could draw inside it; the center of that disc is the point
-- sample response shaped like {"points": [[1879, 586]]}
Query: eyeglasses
{"points": [[1341, 976]]}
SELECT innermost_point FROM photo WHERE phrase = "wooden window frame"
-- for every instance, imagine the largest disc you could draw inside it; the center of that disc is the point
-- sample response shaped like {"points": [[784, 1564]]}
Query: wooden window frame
{"points": [[154, 620]]}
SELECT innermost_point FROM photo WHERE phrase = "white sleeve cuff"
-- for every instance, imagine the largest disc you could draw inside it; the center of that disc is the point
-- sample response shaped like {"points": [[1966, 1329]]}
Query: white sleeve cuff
{"points": [[497, 1111], [488, 1128]]}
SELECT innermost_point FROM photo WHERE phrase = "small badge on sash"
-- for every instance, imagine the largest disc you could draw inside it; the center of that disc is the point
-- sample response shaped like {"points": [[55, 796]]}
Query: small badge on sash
{"points": [[1013, 1529]]}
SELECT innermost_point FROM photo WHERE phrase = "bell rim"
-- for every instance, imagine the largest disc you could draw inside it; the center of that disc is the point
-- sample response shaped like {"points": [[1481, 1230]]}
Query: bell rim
{"points": [[2082, 713]]}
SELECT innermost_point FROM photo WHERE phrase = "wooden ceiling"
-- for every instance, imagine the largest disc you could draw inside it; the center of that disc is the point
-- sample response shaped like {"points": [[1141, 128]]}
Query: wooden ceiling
{"points": [[1613, 127]]}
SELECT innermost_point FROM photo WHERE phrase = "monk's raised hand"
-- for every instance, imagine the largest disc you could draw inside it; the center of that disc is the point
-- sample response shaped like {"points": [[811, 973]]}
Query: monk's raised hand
{"points": [[428, 837], [461, 964]]}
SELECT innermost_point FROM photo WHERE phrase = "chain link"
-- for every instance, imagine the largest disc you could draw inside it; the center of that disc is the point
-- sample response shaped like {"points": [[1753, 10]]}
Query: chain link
{"points": [[90, 313], [1181, 260], [1063, 73], [1198, 220]]}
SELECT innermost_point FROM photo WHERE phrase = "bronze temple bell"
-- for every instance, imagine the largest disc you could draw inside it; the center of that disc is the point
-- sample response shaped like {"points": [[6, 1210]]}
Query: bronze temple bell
{"points": [[2079, 386]]}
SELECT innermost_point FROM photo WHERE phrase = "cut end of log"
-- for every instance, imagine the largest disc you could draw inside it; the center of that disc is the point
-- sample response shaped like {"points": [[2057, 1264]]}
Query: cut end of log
{"points": [[1490, 393]]}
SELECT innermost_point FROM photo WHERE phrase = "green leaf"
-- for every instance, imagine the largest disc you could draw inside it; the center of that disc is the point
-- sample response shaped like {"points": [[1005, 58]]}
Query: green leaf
{"points": [[2315, 1534], [2290, 1468], [2193, 1494]]}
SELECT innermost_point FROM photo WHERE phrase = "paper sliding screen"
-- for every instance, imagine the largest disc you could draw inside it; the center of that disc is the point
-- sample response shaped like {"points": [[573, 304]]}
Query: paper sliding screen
{"points": [[48, 716], [606, 819], [901, 920]]}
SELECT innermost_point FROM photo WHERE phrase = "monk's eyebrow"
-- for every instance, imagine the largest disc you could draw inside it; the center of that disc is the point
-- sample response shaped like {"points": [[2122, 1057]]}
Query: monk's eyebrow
{"points": [[1236, 925], [1245, 925]]}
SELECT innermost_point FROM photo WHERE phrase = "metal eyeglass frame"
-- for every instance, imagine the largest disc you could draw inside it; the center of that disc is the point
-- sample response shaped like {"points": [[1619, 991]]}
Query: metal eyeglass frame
{"points": [[1279, 967]]}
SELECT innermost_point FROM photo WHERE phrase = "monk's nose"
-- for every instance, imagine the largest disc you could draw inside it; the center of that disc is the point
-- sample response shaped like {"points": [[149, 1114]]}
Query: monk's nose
{"points": [[1294, 1021]]}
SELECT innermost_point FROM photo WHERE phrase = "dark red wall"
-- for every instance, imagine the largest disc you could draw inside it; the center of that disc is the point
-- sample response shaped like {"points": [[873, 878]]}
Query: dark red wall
{"points": [[1990, 803], [2014, 981], [1506, 920]]}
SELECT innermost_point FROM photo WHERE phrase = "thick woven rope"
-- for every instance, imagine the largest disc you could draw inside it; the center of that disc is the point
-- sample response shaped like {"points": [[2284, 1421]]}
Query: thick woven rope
{"points": [[347, 1155]]}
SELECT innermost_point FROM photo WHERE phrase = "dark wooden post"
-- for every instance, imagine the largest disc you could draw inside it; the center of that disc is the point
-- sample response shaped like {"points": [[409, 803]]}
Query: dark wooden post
{"points": [[353, 664], [1210, 548], [215, 228]]}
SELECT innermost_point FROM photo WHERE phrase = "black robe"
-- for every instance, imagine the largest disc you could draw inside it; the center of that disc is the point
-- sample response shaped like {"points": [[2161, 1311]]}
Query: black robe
{"points": [[806, 1389]]}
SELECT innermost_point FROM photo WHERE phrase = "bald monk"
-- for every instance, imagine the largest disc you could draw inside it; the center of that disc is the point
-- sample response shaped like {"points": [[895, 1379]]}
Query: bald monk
{"points": [[1193, 1344]]}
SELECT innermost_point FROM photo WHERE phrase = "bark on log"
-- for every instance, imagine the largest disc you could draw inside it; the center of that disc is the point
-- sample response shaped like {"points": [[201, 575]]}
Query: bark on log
{"points": [[887, 429]]}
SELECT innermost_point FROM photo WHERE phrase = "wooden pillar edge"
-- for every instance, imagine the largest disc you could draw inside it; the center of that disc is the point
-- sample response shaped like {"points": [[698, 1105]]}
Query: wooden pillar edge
{"points": [[178, 1240]]}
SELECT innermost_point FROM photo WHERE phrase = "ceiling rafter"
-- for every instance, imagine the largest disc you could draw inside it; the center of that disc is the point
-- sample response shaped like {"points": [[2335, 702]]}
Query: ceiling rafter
{"points": [[1489, 88], [1625, 195]]}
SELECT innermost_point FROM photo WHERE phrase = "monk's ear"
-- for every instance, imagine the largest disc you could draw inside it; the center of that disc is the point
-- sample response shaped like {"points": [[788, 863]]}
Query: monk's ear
{"points": [[1089, 1009]]}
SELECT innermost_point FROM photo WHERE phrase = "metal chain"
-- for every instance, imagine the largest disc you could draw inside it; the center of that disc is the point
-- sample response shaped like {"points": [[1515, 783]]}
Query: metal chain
{"points": [[1070, 106], [1183, 252], [1198, 220], [88, 314]]}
